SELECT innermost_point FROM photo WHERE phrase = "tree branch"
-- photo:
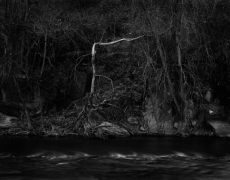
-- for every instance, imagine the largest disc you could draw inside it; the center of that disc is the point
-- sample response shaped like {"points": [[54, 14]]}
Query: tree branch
{"points": [[93, 59]]}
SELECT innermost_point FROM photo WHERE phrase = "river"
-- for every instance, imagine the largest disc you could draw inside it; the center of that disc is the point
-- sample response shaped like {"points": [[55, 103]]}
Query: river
{"points": [[69, 158]]}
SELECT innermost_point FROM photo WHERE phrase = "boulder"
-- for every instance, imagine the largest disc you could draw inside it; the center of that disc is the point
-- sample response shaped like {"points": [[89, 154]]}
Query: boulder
{"points": [[5, 121], [141, 128], [133, 120], [221, 127], [109, 129]]}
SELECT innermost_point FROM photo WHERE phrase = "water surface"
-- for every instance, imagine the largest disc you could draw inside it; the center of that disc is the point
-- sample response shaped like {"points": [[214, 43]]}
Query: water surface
{"points": [[35, 158]]}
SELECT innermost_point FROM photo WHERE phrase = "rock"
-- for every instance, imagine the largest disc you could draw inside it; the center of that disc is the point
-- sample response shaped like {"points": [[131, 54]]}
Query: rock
{"points": [[5, 121], [176, 125], [142, 128], [222, 128], [110, 129], [208, 96], [194, 122], [133, 120]]}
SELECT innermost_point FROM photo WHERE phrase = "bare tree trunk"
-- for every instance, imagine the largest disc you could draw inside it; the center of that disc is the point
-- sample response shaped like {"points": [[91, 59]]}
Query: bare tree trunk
{"points": [[165, 66], [93, 77], [44, 53], [4, 97], [163, 58], [6, 9], [29, 125], [178, 12]]}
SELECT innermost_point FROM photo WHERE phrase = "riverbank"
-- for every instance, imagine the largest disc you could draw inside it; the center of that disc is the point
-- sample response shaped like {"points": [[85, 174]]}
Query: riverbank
{"points": [[58, 125]]}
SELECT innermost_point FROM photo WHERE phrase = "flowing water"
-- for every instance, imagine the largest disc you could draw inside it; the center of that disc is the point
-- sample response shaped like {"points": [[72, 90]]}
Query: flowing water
{"points": [[33, 158]]}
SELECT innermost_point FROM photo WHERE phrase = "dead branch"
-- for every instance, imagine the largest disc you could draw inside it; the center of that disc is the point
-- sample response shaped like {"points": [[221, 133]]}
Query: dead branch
{"points": [[93, 60]]}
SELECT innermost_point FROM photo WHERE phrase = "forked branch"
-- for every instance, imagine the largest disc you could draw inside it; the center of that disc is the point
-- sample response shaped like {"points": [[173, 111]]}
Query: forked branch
{"points": [[93, 59]]}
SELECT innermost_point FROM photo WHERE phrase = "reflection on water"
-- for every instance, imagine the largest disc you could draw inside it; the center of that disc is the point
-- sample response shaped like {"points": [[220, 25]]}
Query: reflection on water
{"points": [[136, 158]]}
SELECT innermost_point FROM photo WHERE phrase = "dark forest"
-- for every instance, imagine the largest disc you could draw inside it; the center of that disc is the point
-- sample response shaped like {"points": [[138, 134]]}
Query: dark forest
{"points": [[115, 68]]}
